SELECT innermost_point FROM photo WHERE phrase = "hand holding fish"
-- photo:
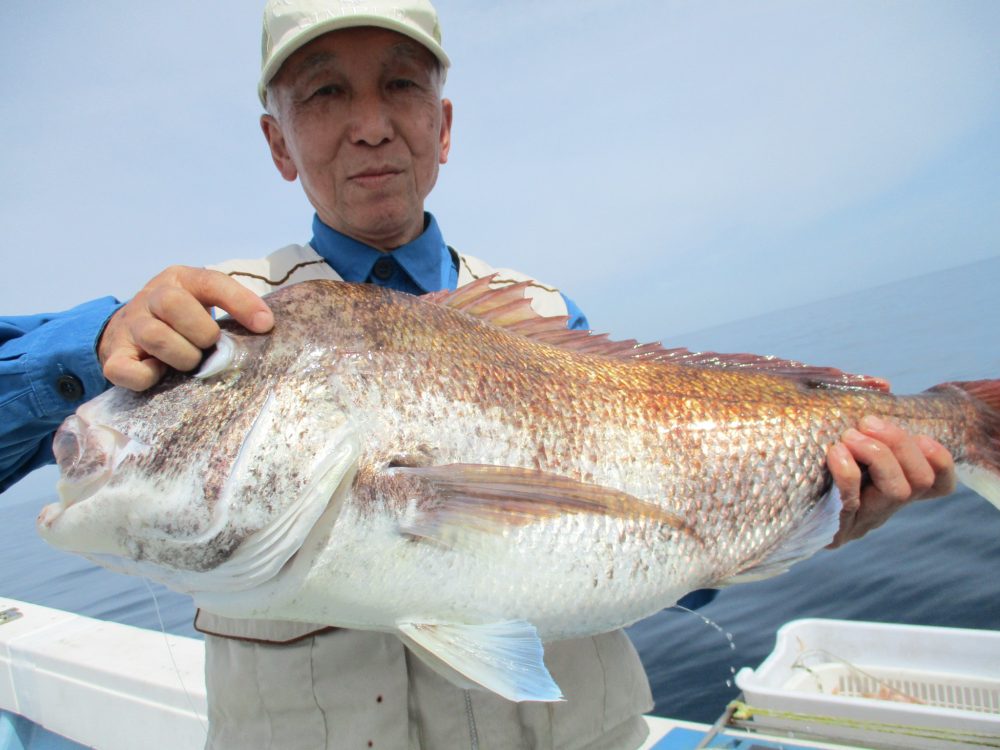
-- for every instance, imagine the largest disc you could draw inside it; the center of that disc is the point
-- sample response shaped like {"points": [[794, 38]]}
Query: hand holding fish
{"points": [[168, 324], [901, 468]]}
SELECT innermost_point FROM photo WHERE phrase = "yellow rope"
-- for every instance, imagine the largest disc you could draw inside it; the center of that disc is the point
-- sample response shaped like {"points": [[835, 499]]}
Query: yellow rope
{"points": [[745, 713]]}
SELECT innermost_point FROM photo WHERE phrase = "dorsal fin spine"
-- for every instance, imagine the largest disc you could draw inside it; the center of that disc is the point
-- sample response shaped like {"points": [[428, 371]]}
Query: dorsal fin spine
{"points": [[509, 308]]}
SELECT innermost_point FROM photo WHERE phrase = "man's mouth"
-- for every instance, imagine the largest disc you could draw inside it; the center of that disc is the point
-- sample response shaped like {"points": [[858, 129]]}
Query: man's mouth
{"points": [[375, 176]]}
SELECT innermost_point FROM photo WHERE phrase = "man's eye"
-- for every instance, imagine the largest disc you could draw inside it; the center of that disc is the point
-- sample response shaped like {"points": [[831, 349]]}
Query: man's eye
{"points": [[401, 84], [330, 90]]}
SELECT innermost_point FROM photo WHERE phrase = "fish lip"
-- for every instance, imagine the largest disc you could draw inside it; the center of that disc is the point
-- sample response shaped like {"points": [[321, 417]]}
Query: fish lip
{"points": [[66, 443], [73, 491], [87, 456]]}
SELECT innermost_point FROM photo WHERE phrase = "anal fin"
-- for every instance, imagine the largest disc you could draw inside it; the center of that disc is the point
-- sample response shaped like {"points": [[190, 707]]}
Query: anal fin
{"points": [[504, 657]]}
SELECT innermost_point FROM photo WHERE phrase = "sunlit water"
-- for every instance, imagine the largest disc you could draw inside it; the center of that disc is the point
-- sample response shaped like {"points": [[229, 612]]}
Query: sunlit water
{"points": [[937, 563]]}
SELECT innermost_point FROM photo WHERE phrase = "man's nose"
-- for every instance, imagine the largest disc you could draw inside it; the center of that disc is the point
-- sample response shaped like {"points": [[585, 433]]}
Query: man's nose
{"points": [[371, 123]]}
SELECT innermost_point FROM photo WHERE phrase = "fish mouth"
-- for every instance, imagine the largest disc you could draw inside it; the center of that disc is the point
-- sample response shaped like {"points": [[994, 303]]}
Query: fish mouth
{"points": [[87, 456]]}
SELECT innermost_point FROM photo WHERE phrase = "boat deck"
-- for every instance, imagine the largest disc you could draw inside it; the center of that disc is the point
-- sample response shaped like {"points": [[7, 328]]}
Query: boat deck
{"points": [[63, 675]]}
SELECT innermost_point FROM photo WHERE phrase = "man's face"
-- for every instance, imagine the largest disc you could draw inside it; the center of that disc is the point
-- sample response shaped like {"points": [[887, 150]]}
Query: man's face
{"points": [[359, 120]]}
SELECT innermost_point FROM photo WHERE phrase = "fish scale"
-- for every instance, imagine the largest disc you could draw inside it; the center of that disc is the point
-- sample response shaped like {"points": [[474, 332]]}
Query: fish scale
{"points": [[476, 479]]}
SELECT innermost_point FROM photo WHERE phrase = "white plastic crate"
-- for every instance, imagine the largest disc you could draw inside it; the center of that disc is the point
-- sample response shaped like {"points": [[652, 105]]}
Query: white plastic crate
{"points": [[880, 685]]}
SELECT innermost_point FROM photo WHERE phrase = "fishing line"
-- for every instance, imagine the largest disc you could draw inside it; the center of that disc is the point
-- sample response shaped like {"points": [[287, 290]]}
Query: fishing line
{"points": [[170, 651], [716, 626]]}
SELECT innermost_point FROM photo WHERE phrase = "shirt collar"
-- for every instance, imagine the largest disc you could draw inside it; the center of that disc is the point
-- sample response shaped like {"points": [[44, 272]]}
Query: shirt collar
{"points": [[427, 261]]}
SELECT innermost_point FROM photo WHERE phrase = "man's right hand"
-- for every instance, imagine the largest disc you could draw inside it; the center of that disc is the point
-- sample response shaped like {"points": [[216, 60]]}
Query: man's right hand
{"points": [[168, 324]]}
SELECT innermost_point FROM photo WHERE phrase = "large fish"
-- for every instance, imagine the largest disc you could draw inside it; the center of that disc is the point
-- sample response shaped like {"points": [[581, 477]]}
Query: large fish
{"points": [[476, 479]]}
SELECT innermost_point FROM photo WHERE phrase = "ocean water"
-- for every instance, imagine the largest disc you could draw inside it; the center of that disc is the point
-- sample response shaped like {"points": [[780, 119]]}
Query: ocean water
{"points": [[935, 563]]}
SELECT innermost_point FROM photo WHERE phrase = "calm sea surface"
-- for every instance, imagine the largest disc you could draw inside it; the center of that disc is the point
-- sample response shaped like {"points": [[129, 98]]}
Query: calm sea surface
{"points": [[936, 563]]}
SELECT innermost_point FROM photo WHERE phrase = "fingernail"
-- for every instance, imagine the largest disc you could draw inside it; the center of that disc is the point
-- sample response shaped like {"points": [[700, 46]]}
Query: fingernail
{"points": [[840, 454], [852, 435], [873, 423], [262, 321]]}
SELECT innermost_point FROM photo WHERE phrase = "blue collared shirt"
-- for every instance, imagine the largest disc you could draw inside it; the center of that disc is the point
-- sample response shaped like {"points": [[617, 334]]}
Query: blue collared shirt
{"points": [[424, 265], [48, 367]]}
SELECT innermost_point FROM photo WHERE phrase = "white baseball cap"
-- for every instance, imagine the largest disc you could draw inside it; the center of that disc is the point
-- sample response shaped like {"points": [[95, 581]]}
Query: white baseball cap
{"points": [[290, 24]]}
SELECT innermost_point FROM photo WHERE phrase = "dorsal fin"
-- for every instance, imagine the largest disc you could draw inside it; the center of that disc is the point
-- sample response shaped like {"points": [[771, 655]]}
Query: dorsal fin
{"points": [[811, 376], [507, 307]]}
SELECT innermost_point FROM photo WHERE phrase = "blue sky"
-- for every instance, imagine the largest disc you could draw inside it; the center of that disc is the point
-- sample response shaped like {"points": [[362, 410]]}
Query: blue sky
{"points": [[671, 165]]}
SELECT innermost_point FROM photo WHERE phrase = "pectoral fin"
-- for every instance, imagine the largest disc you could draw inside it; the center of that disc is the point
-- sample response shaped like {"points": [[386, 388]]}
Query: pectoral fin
{"points": [[455, 499], [504, 657]]}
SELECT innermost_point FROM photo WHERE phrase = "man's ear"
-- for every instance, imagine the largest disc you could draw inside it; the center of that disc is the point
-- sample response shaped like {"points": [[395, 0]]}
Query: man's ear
{"points": [[279, 149], [445, 136]]}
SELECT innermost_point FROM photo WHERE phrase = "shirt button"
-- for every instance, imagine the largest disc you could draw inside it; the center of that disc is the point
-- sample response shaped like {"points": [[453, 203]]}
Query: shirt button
{"points": [[70, 387], [384, 268]]}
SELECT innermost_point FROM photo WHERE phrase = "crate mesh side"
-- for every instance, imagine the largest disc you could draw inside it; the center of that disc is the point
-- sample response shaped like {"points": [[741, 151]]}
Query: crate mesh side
{"points": [[925, 692]]}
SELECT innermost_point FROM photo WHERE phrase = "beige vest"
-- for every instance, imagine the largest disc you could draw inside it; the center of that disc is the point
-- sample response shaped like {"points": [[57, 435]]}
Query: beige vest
{"points": [[296, 263], [304, 686]]}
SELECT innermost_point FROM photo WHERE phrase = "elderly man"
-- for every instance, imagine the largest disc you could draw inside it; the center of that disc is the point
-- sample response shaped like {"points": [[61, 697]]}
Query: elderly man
{"points": [[353, 93]]}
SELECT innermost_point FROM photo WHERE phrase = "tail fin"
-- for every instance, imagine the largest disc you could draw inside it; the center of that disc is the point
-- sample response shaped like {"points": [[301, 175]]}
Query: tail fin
{"points": [[980, 468]]}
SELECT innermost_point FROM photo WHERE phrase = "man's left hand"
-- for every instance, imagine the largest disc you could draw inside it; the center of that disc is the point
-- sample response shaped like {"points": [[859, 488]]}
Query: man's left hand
{"points": [[901, 467]]}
